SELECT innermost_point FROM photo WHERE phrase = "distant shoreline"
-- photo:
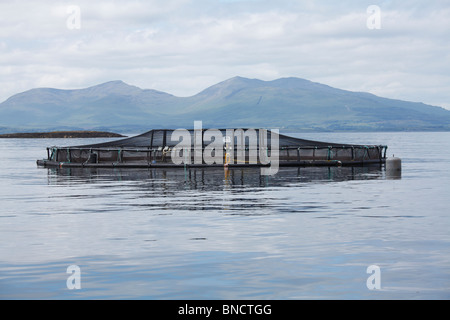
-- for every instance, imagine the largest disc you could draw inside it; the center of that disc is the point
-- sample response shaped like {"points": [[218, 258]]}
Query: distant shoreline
{"points": [[62, 134]]}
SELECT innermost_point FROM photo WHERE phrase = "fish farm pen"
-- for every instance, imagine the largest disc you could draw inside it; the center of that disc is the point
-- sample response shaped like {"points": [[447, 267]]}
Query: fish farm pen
{"points": [[156, 147]]}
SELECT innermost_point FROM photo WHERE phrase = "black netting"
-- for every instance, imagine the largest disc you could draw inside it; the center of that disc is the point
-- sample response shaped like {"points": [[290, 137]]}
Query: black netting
{"points": [[157, 146], [162, 138]]}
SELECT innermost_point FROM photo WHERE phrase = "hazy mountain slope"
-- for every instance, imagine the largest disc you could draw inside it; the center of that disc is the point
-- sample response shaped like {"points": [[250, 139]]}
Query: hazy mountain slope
{"points": [[302, 104], [287, 103]]}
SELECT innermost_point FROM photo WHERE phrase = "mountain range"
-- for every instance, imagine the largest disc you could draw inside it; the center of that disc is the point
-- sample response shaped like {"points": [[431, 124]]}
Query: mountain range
{"points": [[290, 104]]}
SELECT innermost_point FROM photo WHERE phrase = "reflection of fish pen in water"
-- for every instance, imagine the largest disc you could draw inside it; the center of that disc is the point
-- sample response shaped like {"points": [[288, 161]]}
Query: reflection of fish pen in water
{"points": [[212, 178], [156, 148], [237, 191]]}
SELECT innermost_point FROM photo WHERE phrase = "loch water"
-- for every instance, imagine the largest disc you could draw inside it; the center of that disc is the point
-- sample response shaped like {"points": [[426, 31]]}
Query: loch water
{"points": [[305, 233]]}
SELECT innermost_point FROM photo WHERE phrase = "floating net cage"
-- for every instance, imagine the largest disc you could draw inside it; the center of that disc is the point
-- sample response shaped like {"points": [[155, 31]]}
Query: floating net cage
{"points": [[156, 148]]}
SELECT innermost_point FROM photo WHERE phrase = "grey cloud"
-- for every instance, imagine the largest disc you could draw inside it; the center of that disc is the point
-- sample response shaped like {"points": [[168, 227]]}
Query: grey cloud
{"points": [[183, 46]]}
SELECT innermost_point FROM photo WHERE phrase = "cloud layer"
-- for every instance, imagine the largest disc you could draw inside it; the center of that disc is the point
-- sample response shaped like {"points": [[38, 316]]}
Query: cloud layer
{"points": [[183, 46]]}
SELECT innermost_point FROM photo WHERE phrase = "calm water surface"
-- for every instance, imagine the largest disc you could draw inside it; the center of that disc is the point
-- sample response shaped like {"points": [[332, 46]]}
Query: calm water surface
{"points": [[306, 233]]}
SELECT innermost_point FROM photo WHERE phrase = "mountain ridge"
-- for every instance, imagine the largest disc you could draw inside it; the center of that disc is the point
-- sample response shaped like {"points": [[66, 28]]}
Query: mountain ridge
{"points": [[287, 103]]}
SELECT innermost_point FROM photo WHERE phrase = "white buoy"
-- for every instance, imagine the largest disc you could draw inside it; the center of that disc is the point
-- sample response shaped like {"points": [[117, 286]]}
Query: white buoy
{"points": [[393, 167]]}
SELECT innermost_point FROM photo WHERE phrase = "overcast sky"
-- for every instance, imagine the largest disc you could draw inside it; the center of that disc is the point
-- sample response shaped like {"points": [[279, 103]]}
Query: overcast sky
{"points": [[183, 46]]}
